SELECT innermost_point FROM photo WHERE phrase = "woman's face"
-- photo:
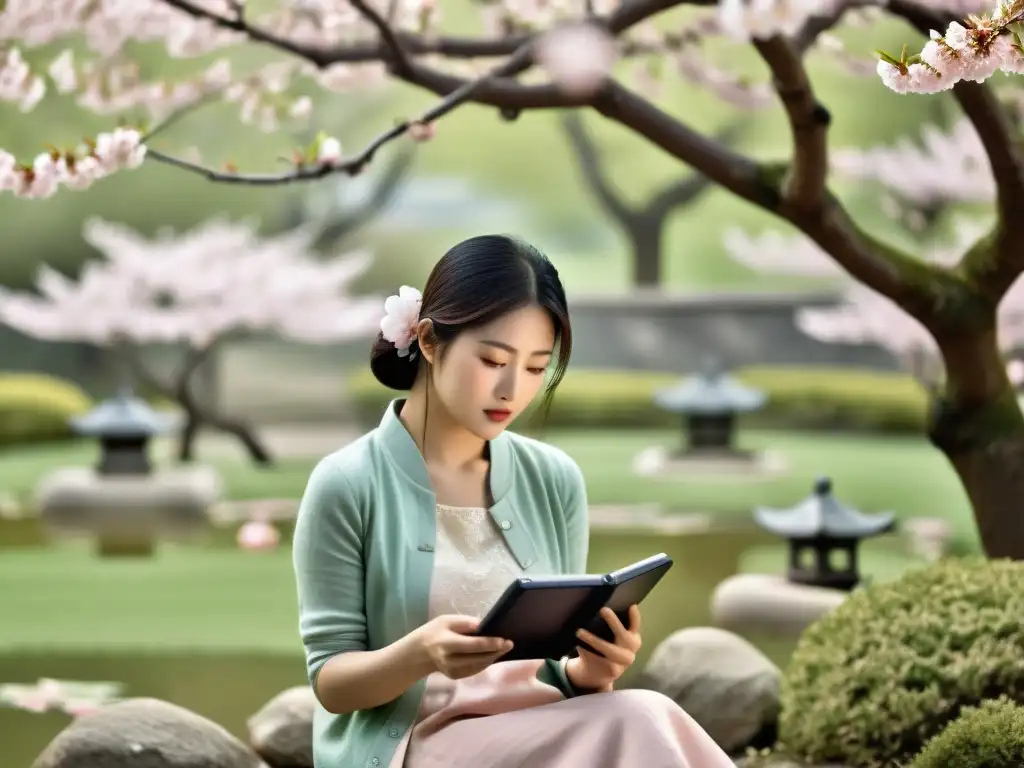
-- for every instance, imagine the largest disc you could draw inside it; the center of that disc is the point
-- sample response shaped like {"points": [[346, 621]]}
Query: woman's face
{"points": [[488, 375]]}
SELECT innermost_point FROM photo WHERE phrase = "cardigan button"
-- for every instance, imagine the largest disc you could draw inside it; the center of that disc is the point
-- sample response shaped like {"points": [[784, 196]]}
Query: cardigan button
{"points": [[506, 524], [376, 761], [393, 733]]}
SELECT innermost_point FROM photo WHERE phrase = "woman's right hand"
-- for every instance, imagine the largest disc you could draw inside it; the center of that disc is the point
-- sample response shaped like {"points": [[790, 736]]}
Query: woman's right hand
{"points": [[453, 651]]}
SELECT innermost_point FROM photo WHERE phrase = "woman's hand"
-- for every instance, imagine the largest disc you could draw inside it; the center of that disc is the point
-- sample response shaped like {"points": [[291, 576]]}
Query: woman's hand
{"points": [[449, 647], [593, 672]]}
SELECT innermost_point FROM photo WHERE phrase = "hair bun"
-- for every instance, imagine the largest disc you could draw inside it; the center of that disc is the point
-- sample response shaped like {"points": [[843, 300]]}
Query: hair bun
{"points": [[389, 369]]}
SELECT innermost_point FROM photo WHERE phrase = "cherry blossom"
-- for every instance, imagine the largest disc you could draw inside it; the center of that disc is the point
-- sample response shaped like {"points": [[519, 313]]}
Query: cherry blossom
{"points": [[946, 167], [973, 51], [258, 534], [196, 287], [761, 19], [49, 695], [578, 57], [81, 48], [862, 315]]}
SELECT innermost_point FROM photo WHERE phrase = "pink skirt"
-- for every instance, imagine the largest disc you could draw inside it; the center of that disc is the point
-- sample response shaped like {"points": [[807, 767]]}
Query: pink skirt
{"points": [[505, 717]]}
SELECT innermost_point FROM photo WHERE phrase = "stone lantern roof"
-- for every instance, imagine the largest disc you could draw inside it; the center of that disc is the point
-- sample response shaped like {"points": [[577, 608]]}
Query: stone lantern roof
{"points": [[711, 391], [123, 416], [822, 516]]}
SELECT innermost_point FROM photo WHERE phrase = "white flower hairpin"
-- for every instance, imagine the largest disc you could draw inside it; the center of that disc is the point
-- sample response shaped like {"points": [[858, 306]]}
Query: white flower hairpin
{"points": [[401, 316]]}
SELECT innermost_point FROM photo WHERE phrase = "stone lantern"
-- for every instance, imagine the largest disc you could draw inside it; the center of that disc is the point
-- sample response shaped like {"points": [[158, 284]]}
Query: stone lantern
{"points": [[124, 502], [821, 532], [709, 403], [123, 426]]}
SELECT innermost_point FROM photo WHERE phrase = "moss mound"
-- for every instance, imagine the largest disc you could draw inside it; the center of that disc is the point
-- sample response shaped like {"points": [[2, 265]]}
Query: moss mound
{"points": [[870, 683], [989, 736]]}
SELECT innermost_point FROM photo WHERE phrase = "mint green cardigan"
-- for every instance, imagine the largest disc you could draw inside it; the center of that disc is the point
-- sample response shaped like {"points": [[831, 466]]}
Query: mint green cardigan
{"points": [[364, 554]]}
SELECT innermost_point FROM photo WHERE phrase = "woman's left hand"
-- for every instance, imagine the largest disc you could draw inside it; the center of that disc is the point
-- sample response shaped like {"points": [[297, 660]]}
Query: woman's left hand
{"points": [[594, 672]]}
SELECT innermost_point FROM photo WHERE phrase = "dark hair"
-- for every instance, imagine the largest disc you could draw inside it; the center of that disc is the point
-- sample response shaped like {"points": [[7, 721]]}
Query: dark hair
{"points": [[475, 282]]}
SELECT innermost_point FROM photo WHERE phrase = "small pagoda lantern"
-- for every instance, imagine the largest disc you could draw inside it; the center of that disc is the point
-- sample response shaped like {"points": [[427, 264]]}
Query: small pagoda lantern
{"points": [[821, 532], [123, 425], [709, 403]]}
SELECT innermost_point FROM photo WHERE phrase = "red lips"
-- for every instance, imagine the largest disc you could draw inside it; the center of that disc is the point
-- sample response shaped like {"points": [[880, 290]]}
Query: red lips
{"points": [[497, 416]]}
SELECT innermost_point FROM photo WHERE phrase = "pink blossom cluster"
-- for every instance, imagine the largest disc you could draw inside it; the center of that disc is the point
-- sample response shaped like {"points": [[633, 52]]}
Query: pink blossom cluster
{"points": [[864, 316], [48, 695], [110, 152], [747, 20], [18, 83], [945, 167], [975, 52], [196, 286]]}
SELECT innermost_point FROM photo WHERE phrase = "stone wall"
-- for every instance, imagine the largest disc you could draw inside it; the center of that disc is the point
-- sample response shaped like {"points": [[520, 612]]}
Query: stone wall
{"points": [[270, 381], [675, 333]]}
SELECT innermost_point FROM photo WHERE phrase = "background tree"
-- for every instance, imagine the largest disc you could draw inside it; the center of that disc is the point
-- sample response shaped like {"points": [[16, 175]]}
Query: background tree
{"points": [[197, 289], [975, 420], [642, 224]]}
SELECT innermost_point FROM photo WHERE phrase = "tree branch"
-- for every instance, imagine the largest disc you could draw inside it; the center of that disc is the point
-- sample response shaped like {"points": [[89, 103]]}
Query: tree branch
{"points": [[685, 191], [804, 186], [355, 163], [345, 223], [739, 174], [882, 268], [628, 14], [589, 162], [993, 269], [678, 193]]}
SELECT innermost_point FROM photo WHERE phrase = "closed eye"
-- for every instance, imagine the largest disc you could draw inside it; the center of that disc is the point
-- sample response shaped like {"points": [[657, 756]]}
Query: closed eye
{"points": [[492, 363], [537, 371]]}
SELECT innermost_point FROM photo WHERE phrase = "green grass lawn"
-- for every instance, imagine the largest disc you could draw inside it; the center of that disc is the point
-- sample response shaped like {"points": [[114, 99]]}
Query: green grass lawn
{"points": [[905, 475], [206, 600], [214, 629]]}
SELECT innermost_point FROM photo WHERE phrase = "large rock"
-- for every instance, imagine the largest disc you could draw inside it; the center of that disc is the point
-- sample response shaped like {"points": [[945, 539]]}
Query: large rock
{"points": [[722, 681], [770, 605], [146, 733], [282, 731]]}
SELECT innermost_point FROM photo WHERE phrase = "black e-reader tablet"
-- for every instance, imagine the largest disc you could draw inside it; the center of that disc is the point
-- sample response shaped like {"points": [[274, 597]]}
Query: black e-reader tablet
{"points": [[541, 615]]}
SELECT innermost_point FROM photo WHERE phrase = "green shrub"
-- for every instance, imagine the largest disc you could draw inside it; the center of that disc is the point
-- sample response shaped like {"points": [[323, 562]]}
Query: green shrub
{"points": [[873, 680], [35, 408], [989, 736], [798, 398]]}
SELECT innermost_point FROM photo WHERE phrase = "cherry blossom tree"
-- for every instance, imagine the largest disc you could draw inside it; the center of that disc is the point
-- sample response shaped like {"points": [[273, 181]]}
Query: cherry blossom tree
{"points": [[197, 289], [580, 54]]}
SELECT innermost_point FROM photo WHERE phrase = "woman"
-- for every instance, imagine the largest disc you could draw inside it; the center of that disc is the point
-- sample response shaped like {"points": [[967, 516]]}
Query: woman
{"points": [[408, 535]]}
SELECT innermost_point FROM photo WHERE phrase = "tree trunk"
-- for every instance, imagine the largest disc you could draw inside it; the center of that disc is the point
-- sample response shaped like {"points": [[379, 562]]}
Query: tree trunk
{"points": [[645, 239], [187, 441], [245, 435], [978, 425]]}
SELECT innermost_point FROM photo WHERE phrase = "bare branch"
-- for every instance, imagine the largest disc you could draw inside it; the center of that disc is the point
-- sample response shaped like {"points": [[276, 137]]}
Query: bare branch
{"points": [[685, 191], [401, 62], [345, 223], [589, 163], [804, 188], [739, 174], [678, 193]]}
